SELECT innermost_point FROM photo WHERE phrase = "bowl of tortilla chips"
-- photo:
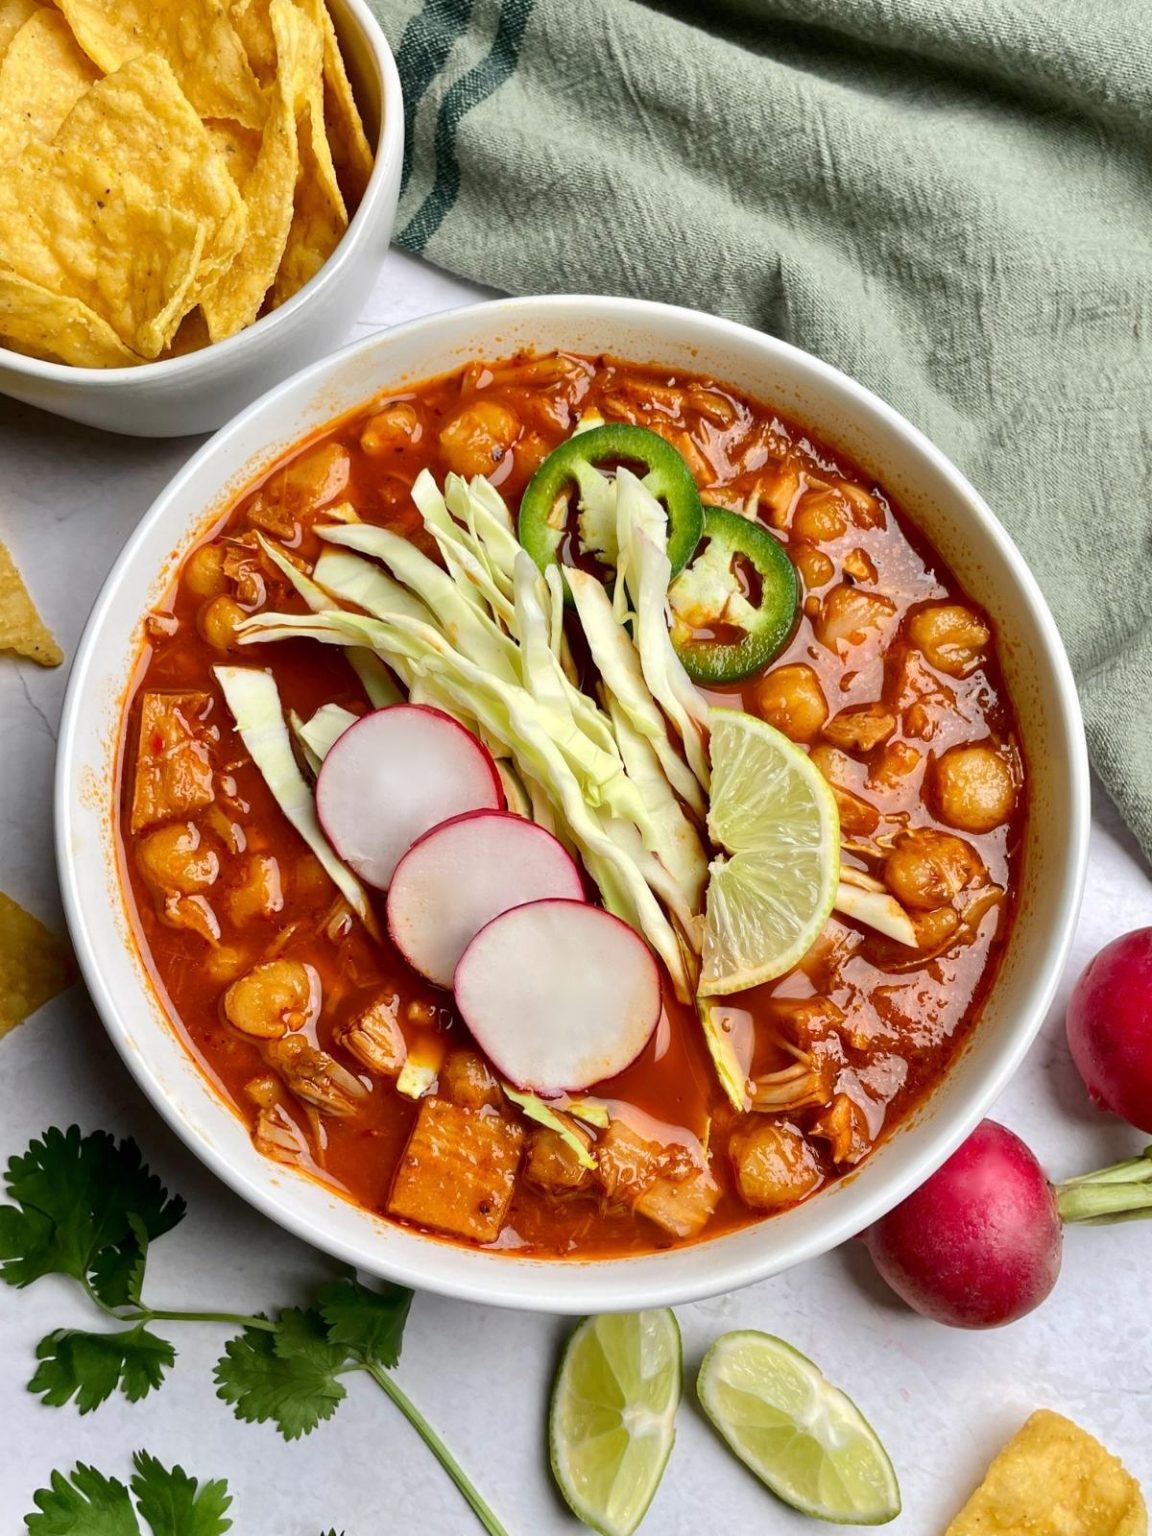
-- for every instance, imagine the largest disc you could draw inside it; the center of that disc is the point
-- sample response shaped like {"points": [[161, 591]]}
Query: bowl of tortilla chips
{"points": [[195, 195]]}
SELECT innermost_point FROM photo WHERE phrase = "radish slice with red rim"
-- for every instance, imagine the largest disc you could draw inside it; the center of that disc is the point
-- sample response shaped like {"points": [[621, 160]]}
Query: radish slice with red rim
{"points": [[393, 775], [456, 878], [559, 995]]}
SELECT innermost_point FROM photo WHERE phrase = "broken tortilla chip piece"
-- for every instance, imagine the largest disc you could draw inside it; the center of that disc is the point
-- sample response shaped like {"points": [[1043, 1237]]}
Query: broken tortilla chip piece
{"points": [[351, 152], [63, 330], [34, 964], [21, 628], [1054, 1479], [43, 74], [198, 41]]}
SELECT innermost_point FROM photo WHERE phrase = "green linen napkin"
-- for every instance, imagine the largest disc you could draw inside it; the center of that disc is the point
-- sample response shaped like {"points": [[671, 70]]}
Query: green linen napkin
{"points": [[949, 199]]}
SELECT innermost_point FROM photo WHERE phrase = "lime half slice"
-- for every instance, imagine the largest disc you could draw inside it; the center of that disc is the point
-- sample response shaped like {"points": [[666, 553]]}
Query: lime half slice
{"points": [[613, 1410], [800, 1435], [770, 893]]}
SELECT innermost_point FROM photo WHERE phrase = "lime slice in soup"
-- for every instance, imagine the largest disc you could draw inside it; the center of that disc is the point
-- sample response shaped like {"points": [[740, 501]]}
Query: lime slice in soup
{"points": [[770, 892], [613, 1407], [798, 1433]]}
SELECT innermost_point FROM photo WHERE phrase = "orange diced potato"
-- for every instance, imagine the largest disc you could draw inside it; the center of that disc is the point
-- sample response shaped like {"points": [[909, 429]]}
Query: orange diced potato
{"points": [[173, 768], [458, 1171]]}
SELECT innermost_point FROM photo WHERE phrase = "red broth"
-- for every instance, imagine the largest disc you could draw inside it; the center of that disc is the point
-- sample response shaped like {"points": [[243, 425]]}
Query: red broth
{"points": [[885, 633]]}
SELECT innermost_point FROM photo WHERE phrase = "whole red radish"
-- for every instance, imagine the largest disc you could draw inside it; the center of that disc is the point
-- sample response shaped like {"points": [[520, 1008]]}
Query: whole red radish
{"points": [[978, 1244], [1110, 1027]]}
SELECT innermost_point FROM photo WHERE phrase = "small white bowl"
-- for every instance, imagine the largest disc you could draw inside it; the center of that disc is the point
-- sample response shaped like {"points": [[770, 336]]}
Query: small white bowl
{"points": [[200, 390], [942, 503]]}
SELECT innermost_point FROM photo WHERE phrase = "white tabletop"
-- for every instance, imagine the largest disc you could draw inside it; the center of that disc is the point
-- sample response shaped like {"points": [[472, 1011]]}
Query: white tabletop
{"points": [[942, 1400]]}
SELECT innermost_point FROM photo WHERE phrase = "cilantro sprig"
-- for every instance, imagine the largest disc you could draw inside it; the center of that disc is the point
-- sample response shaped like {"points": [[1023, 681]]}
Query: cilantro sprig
{"points": [[87, 1503], [88, 1207]]}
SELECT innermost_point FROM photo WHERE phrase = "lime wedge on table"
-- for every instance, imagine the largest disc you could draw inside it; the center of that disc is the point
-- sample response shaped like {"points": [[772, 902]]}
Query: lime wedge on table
{"points": [[613, 1406], [770, 893], [797, 1432]]}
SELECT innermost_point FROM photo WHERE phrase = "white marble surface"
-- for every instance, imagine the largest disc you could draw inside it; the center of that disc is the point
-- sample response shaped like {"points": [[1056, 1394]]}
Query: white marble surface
{"points": [[942, 1400]]}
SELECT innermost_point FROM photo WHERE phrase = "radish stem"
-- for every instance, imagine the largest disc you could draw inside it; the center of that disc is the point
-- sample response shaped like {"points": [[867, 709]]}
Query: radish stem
{"points": [[1120, 1192]]}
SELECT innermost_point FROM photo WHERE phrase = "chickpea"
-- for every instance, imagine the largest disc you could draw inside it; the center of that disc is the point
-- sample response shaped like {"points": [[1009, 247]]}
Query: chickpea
{"points": [[848, 613], [259, 893], [820, 518], [792, 700], [816, 570], [174, 859], [952, 638], [218, 621], [476, 440], [273, 998], [204, 573], [975, 790], [774, 1165], [391, 430], [929, 869]]}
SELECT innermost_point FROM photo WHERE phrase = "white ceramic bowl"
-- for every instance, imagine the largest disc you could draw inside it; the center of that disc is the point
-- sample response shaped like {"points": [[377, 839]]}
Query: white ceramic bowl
{"points": [[201, 390], [943, 504]]}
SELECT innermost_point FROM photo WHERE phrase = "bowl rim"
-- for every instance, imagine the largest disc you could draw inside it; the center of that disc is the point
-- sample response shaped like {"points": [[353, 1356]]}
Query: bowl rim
{"points": [[561, 1285], [389, 151]]}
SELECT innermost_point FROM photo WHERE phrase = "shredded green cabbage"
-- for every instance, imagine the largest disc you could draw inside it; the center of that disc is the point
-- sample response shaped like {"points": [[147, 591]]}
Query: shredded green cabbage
{"points": [[536, 1109]]}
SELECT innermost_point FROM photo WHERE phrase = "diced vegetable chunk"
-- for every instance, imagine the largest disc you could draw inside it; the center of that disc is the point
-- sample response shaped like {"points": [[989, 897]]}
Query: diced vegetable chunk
{"points": [[173, 768], [458, 1171]]}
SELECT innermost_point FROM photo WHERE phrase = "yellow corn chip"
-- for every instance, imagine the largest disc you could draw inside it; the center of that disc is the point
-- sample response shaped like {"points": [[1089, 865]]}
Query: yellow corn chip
{"points": [[60, 329], [21, 628], [13, 15], [239, 146], [43, 74], [351, 152], [34, 964], [254, 28], [198, 40], [130, 210], [269, 191], [191, 336], [1054, 1479]]}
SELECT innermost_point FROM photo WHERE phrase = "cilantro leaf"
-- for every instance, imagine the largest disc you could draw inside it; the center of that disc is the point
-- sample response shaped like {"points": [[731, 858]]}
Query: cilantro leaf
{"points": [[287, 1375], [174, 1504], [370, 1324], [86, 1207], [85, 1504], [90, 1366]]}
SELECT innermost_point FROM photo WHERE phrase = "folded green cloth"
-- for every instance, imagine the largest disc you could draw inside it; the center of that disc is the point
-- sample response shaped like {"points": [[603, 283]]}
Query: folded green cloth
{"points": [[948, 199]]}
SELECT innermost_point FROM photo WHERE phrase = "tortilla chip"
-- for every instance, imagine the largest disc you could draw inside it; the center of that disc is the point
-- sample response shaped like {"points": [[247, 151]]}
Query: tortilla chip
{"points": [[351, 152], [253, 26], [1054, 1477], [59, 329], [21, 628], [130, 210], [198, 41], [192, 335], [13, 15], [34, 965], [239, 146], [43, 74], [269, 191]]}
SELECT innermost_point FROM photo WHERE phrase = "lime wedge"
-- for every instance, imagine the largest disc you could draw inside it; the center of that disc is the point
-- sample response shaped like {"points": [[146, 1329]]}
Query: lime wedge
{"points": [[612, 1421], [800, 1435], [770, 894]]}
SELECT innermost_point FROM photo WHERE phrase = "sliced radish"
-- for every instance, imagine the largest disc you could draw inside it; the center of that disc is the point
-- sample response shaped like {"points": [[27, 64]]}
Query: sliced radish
{"points": [[393, 775], [559, 995], [458, 877]]}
